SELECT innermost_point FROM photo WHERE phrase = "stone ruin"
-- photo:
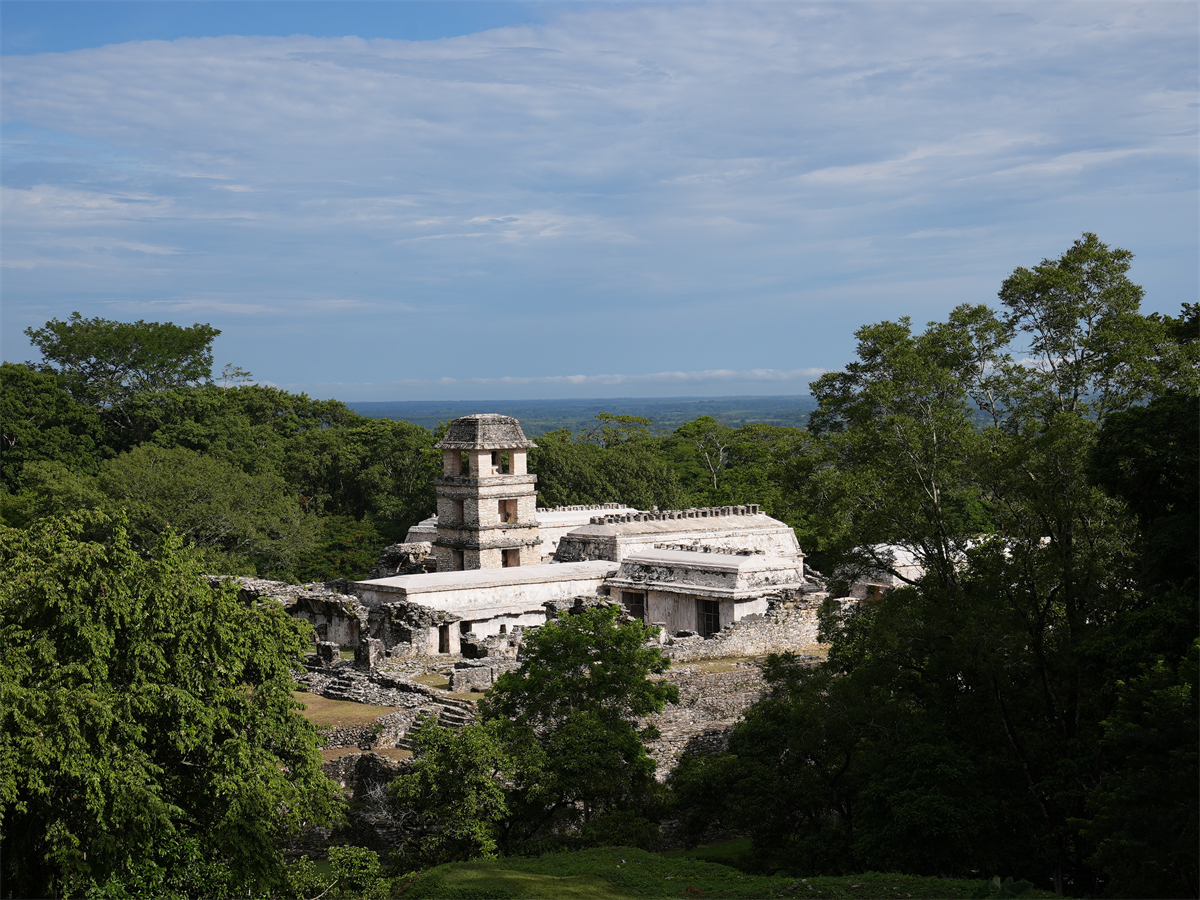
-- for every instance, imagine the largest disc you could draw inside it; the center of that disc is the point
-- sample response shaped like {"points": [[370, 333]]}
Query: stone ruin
{"points": [[404, 559]]}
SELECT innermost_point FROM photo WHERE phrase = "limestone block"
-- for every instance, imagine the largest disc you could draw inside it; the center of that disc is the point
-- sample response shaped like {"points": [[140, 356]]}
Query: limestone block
{"points": [[369, 653], [470, 678], [328, 653]]}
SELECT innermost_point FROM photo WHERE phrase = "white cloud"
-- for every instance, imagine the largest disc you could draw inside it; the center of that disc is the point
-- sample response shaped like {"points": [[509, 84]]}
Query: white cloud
{"points": [[574, 189]]}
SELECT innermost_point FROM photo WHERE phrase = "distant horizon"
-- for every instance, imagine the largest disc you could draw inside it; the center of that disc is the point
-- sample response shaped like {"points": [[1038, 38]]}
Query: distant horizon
{"points": [[537, 416], [561, 400]]}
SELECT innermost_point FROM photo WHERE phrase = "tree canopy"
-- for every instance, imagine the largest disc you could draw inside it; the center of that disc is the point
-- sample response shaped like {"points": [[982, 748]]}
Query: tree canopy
{"points": [[150, 743], [559, 757], [103, 362], [1041, 464]]}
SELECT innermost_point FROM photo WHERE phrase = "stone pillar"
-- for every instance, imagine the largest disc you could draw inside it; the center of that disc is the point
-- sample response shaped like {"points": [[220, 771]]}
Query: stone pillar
{"points": [[368, 654], [328, 653]]}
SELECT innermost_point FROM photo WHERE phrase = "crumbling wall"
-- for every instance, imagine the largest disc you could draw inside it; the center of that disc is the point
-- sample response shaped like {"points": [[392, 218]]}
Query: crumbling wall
{"points": [[710, 703], [782, 628], [409, 558], [336, 617], [409, 630], [479, 674]]}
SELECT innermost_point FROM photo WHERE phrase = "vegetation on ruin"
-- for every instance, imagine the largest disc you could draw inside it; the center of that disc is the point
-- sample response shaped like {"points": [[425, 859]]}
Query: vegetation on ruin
{"points": [[558, 759]]}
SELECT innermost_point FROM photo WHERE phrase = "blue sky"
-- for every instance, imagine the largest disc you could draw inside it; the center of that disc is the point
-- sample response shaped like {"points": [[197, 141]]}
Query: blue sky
{"points": [[469, 200]]}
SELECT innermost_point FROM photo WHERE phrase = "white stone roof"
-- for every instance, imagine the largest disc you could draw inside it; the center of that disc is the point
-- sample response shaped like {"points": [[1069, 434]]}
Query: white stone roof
{"points": [[567, 518], [476, 579], [733, 576]]}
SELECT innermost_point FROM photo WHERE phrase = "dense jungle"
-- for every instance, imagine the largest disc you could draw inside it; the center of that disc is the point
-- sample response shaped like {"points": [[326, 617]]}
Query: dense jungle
{"points": [[1026, 708]]}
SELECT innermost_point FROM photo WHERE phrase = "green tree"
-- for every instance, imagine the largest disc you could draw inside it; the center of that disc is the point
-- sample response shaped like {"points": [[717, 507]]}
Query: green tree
{"points": [[373, 469], [708, 445], [574, 472], [613, 430], [1145, 828], [103, 363], [224, 512], [965, 713], [150, 744], [570, 714], [343, 548], [50, 488], [900, 451], [457, 782], [39, 421]]}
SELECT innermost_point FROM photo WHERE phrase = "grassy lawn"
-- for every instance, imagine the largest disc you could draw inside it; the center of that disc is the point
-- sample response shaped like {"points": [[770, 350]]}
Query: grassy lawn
{"points": [[618, 873], [728, 853], [322, 711], [434, 679]]}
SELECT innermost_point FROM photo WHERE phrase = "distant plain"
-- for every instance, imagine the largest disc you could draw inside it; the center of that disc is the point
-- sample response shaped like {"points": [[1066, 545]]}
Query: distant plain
{"points": [[540, 416]]}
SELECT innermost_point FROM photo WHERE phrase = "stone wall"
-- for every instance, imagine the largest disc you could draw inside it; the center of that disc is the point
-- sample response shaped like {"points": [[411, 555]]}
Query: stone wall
{"points": [[780, 629], [386, 731], [336, 617], [710, 703], [404, 559]]}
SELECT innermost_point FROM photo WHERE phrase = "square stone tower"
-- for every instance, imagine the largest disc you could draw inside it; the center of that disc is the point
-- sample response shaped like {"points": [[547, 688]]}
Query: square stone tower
{"points": [[486, 500]]}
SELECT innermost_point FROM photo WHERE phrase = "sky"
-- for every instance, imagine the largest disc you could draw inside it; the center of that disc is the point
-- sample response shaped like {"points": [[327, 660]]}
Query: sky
{"points": [[492, 200]]}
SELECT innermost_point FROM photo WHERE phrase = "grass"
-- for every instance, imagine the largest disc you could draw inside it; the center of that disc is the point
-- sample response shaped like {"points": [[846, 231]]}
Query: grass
{"points": [[323, 712], [434, 680], [616, 873], [728, 853]]}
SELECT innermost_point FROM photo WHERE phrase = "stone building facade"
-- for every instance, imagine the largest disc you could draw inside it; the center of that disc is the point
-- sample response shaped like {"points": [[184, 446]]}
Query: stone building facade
{"points": [[501, 565], [701, 592]]}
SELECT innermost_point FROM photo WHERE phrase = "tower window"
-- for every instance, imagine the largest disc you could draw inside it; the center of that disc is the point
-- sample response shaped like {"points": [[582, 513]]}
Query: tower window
{"points": [[507, 510], [511, 558]]}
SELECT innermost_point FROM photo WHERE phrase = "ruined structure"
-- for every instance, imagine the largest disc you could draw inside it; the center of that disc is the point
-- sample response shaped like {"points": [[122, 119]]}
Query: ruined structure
{"points": [[491, 564], [615, 535], [704, 593]]}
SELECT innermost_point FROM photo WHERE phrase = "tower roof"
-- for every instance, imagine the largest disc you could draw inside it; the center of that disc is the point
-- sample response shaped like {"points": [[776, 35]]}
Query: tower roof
{"points": [[485, 431]]}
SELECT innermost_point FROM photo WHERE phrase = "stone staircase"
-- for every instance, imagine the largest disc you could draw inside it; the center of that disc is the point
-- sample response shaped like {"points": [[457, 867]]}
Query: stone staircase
{"points": [[451, 713], [344, 687]]}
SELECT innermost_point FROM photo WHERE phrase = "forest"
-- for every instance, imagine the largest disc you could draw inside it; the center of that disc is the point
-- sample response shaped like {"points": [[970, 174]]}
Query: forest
{"points": [[1027, 707]]}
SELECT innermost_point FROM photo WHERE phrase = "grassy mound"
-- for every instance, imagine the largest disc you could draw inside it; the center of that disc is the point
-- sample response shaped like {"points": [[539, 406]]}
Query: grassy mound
{"points": [[616, 873]]}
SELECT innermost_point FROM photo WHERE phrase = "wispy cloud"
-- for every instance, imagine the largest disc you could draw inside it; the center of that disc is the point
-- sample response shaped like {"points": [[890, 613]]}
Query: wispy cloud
{"points": [[626, 188]]}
